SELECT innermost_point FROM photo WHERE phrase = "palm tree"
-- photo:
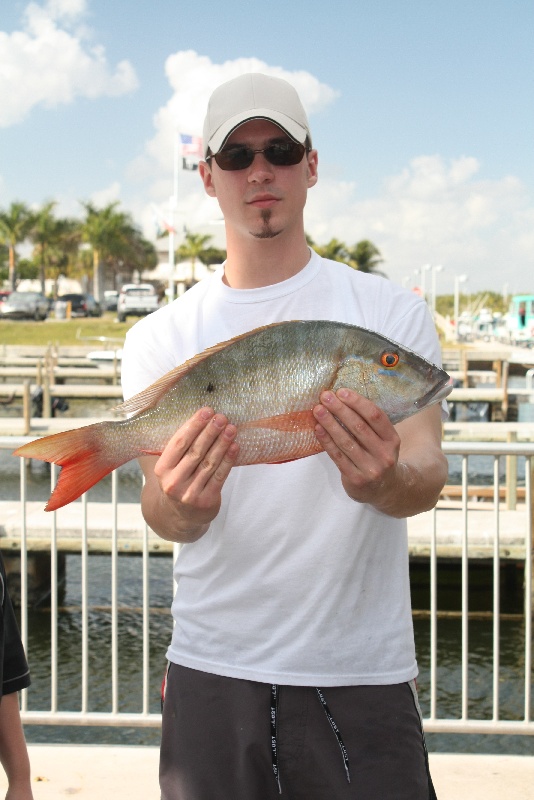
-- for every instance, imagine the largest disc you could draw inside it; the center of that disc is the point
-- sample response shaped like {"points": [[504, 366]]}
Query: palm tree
{"points": [[334, 250], [15, 225], [115, 242], [99, 230], [56, 243], [192, 248], [63, 253], [44, 236], [366, 257], [134, 252]]}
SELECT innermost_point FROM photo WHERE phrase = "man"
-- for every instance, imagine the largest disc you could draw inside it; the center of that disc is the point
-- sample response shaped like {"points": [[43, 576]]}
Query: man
{"points": [[292, 663]]}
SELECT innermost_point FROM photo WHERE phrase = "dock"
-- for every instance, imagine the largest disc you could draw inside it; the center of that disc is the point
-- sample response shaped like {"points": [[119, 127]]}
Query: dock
{"points": [[130, 530]]}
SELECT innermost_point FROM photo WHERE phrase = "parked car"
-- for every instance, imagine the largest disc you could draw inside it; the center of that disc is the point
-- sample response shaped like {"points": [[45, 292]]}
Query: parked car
{"points": [[82, 305], [136, 300], [111, 297], [4, 294], [24, 305]]}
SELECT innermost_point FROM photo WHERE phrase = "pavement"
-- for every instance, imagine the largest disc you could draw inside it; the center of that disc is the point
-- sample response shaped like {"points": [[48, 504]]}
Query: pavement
{"points": [[94, 772]]}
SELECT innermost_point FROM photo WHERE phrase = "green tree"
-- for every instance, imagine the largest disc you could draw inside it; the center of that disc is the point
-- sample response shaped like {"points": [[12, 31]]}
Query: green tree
{"points": [[135, 252], [116, 243], [192, 249], [43, 234], [212, 255], [4, 260], [15, 225], [56, 244], [27, 270], [363, 256], [64, 253], [101, 229], [334, 250], [366, 257]]}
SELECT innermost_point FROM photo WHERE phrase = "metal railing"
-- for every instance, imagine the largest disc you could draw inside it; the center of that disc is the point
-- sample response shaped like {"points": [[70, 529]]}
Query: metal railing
{"points": [[83, 716], [465, 724], [145, 717]]}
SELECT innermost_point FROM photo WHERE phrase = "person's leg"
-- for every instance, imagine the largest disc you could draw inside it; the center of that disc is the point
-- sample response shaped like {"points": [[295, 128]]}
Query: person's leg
{"points": [[217, 744], [380, 731], [216, 738]]}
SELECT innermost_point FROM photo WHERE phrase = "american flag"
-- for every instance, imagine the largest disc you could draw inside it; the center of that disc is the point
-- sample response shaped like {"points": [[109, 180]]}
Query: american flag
{"points": [[191, 145]]}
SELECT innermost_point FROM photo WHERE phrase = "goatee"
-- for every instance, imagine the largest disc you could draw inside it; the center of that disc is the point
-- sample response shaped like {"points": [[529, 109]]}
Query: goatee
{"points": [[267, 232]]}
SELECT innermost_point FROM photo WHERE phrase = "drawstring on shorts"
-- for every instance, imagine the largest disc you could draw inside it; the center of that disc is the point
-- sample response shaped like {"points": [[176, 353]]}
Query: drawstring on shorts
{"points": [[275, 692]]}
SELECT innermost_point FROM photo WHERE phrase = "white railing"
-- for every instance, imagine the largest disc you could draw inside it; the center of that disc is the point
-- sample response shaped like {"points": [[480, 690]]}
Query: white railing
{"points": [[144, 717], [465, 724]]}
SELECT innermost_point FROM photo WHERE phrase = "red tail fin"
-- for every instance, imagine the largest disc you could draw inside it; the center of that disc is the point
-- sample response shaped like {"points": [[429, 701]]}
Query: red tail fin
{"points": [[86, 455]]}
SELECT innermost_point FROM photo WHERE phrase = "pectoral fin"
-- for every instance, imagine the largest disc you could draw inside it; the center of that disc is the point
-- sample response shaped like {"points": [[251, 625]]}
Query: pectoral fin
{"points": [[295, 421]]}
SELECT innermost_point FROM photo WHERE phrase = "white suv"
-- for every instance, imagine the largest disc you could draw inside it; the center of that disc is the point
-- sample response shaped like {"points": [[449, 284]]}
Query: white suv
{"points": [[136, 300]]}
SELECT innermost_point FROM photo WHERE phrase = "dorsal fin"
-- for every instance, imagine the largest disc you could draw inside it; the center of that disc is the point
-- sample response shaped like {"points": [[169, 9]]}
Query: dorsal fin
{"points": [[151, 396]]}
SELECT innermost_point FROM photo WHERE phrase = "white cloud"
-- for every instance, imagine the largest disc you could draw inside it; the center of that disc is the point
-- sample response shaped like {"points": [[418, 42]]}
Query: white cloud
{"points": [[52, 61], [435, 212], [110, 194]]}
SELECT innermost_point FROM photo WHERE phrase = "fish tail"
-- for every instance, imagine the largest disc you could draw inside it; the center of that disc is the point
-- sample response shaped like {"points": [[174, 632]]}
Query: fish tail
{"points": [[85, 454]]}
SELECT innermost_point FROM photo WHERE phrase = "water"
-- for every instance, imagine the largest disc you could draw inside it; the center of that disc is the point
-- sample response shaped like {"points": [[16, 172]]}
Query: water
{"points": [[130, 643], [130, 629]]}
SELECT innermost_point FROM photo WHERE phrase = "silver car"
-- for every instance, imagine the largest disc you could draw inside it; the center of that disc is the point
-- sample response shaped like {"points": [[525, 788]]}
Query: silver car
{"points": [[24, 305]]}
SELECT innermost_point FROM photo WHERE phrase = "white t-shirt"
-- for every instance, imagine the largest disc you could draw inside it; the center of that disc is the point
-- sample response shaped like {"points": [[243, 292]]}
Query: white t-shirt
{"points": [[293, 583]]}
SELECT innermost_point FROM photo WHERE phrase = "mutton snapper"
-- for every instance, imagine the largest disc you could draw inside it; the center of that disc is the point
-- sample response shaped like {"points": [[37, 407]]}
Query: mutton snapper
{"points": [[266, 382]]}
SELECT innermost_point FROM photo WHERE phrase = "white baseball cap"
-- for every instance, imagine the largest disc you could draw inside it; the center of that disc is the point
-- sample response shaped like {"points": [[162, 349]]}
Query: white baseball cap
{"points": [[253, 96]]}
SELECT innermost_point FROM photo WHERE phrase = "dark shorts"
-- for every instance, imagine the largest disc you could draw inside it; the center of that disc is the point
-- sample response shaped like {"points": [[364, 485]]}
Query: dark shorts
{"points": [[227, 739]]}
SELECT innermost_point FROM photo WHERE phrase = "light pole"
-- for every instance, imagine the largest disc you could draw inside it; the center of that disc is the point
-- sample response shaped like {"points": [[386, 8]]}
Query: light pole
{"points": [[458, 279], [421, 275], [435, 269]]}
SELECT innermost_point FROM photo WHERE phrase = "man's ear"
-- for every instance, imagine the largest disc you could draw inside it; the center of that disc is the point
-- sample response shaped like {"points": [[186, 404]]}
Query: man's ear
{"points": [[312, 168], [207, 178]]}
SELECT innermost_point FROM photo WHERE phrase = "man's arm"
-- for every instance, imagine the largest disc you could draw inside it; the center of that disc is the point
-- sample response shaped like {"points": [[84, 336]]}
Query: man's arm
{"points": [[400, 470], [182, 491], [13, 750]]}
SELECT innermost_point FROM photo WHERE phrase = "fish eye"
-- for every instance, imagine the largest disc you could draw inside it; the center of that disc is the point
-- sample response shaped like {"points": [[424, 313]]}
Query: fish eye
{"points": [[389, 360]]}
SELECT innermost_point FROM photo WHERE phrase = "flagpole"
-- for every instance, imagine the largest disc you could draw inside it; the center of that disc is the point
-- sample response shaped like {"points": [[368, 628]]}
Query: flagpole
{"points": [[173, 202]]}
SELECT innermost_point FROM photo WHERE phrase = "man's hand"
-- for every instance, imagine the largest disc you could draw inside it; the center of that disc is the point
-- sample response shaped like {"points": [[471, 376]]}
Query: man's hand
{"points": [[400, 470], [182, 493], [360, 439]]}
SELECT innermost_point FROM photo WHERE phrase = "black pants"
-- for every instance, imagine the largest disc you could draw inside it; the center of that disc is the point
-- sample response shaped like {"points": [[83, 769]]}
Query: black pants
{"points": [[217, 742]]}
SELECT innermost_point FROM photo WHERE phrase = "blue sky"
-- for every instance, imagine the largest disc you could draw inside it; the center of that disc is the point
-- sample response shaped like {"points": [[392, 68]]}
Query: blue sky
{"points": [[422, 112]]}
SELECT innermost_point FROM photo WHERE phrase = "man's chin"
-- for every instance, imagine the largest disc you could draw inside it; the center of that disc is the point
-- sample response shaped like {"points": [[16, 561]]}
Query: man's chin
{"points": [[268, 233]]}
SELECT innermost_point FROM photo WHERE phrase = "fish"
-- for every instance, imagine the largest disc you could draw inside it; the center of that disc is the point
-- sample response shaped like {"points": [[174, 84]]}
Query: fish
{"points": [[266, 382]]}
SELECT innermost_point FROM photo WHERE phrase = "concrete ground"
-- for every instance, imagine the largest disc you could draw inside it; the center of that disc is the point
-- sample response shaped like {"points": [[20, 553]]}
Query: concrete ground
{"points": [[93, 772]]}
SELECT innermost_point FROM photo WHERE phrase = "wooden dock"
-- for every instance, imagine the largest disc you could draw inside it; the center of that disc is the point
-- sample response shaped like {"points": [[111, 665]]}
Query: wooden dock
{"points": [[130, 530], [61, 374]]}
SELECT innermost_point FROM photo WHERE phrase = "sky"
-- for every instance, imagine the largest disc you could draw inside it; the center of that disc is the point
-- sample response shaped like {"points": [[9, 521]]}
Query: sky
{"points": [[422, 112]]}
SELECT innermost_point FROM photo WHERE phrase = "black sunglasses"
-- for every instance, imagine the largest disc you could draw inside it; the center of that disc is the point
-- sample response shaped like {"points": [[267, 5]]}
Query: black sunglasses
{"points": [[281, 154]]}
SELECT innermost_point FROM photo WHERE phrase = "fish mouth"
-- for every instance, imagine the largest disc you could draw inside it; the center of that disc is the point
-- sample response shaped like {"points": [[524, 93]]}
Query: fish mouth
{"points": [[436, 394]]}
